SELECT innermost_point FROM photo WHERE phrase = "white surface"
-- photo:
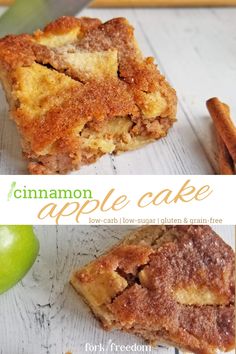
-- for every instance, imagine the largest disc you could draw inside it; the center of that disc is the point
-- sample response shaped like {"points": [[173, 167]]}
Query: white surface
{"points": [[196, 50], [43, 314]]}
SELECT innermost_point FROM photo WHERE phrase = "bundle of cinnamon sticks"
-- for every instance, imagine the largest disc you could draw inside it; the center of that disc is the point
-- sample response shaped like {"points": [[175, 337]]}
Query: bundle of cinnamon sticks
{"points": [[226, 135]]}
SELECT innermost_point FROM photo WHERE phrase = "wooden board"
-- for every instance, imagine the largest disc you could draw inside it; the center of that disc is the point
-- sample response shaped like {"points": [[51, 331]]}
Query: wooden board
{"points": [[151, 3], [162, 3], [195, 49], [44, 315]]}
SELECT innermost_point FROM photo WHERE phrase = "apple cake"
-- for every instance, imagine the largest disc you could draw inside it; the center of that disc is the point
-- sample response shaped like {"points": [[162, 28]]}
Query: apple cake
{"points": [[80, 89], [167, 284]]}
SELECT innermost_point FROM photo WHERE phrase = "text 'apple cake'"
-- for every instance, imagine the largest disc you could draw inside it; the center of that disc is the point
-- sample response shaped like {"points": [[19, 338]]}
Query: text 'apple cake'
{"points": [[167, 284], [80, 89]]}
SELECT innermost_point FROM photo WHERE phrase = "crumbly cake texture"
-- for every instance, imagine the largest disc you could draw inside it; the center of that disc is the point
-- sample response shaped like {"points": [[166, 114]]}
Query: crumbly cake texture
{"points": [[167, 284], [80, 89]]}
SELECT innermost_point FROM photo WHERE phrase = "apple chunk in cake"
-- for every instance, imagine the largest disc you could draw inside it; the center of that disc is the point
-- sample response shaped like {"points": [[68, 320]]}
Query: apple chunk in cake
{"points": [[167, 284], [80, 89]]}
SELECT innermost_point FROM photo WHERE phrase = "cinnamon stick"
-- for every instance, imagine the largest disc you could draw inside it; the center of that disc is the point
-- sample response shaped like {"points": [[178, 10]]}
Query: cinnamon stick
{"points": [[226, 163], [220, 114]]}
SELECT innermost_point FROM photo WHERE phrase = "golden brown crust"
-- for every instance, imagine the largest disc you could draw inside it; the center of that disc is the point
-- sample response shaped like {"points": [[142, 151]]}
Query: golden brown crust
{"points": [[105, 77], [95, 99], [16, 51], [126, 258], [197, 329], [65, 24], [173, 283]]}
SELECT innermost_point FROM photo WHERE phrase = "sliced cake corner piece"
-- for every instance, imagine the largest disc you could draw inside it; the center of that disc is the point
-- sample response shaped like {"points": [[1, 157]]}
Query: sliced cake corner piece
{"points": [[167, 284], [80, 89]]}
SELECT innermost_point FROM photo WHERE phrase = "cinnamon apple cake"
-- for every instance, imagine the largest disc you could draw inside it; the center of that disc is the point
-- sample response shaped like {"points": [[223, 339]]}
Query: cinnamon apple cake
{"points": [[167, 284], [80, 89]]}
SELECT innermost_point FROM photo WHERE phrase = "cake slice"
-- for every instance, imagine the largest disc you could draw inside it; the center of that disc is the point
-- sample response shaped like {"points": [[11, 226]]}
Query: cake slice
{"points": [[80, 89], [167, 284]]}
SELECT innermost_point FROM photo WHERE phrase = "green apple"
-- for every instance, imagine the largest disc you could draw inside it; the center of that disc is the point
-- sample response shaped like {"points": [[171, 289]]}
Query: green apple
{"points": [[18, 250]]}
